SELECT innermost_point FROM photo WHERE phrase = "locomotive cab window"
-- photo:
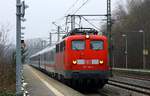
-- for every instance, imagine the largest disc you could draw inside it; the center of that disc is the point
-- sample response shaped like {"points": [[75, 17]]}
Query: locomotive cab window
{"points": [[78, 45], [97, 45]]}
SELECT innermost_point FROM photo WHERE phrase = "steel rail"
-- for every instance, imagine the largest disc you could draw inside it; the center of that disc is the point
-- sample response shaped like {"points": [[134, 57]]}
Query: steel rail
{"points": [[128, 86], [138, 78]]}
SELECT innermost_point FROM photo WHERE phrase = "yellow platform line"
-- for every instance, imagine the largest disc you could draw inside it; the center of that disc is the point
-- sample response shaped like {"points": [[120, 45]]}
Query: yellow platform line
{"points": [[50, 87]]}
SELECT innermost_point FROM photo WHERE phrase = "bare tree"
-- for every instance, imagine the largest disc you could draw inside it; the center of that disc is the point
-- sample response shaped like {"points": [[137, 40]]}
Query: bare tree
{"points": [[35, 45], [129, 19], [7, 71]]}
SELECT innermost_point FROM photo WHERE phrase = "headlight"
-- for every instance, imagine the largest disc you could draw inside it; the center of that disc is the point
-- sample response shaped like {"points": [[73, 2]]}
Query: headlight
{"points": [[87, 36], [74, 62], [101, 61]]}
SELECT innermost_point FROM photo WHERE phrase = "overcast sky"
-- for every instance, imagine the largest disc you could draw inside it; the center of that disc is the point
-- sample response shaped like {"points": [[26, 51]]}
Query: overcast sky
{"points": [[41, 13]]}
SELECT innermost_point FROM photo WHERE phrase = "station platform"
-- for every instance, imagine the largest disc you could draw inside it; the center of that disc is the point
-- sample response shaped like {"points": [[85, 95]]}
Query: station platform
{"points": [[39, 84]]}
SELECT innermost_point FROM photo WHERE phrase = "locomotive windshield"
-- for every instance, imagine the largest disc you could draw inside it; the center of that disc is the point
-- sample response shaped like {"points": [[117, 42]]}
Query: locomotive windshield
{"points": [[96, 45], [78, 45]]}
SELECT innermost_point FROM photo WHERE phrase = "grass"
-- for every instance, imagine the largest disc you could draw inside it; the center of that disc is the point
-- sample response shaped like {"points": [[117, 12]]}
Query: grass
{"points": [[7, 94], [7, 81]]}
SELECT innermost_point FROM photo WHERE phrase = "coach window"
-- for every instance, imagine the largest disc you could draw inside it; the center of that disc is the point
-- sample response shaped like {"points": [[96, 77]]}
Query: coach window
{"points": [[97, 45], [78, 45], [62, 46], [57, 48]]}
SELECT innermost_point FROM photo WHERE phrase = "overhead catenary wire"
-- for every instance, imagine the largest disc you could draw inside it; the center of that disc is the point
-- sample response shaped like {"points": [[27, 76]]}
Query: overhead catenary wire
{"points": [[76, 10], [81, 6], [90, 23], [67, 12], [71, 6], [58, 26], [61, 18]]}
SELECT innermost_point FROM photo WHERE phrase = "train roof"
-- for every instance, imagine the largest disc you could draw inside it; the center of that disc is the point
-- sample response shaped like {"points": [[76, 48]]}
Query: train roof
{"points": [[43, 51], [81, 31], [91, 37]]}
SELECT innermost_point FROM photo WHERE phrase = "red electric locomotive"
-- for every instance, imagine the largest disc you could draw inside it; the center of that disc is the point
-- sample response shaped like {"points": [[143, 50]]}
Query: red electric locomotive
{"points": [[80, 59]]}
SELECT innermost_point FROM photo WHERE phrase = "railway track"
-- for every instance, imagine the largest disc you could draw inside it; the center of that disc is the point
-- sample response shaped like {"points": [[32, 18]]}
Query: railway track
{"points": [[136, 77], [120, 84], [128, 86], [103, 92]]}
